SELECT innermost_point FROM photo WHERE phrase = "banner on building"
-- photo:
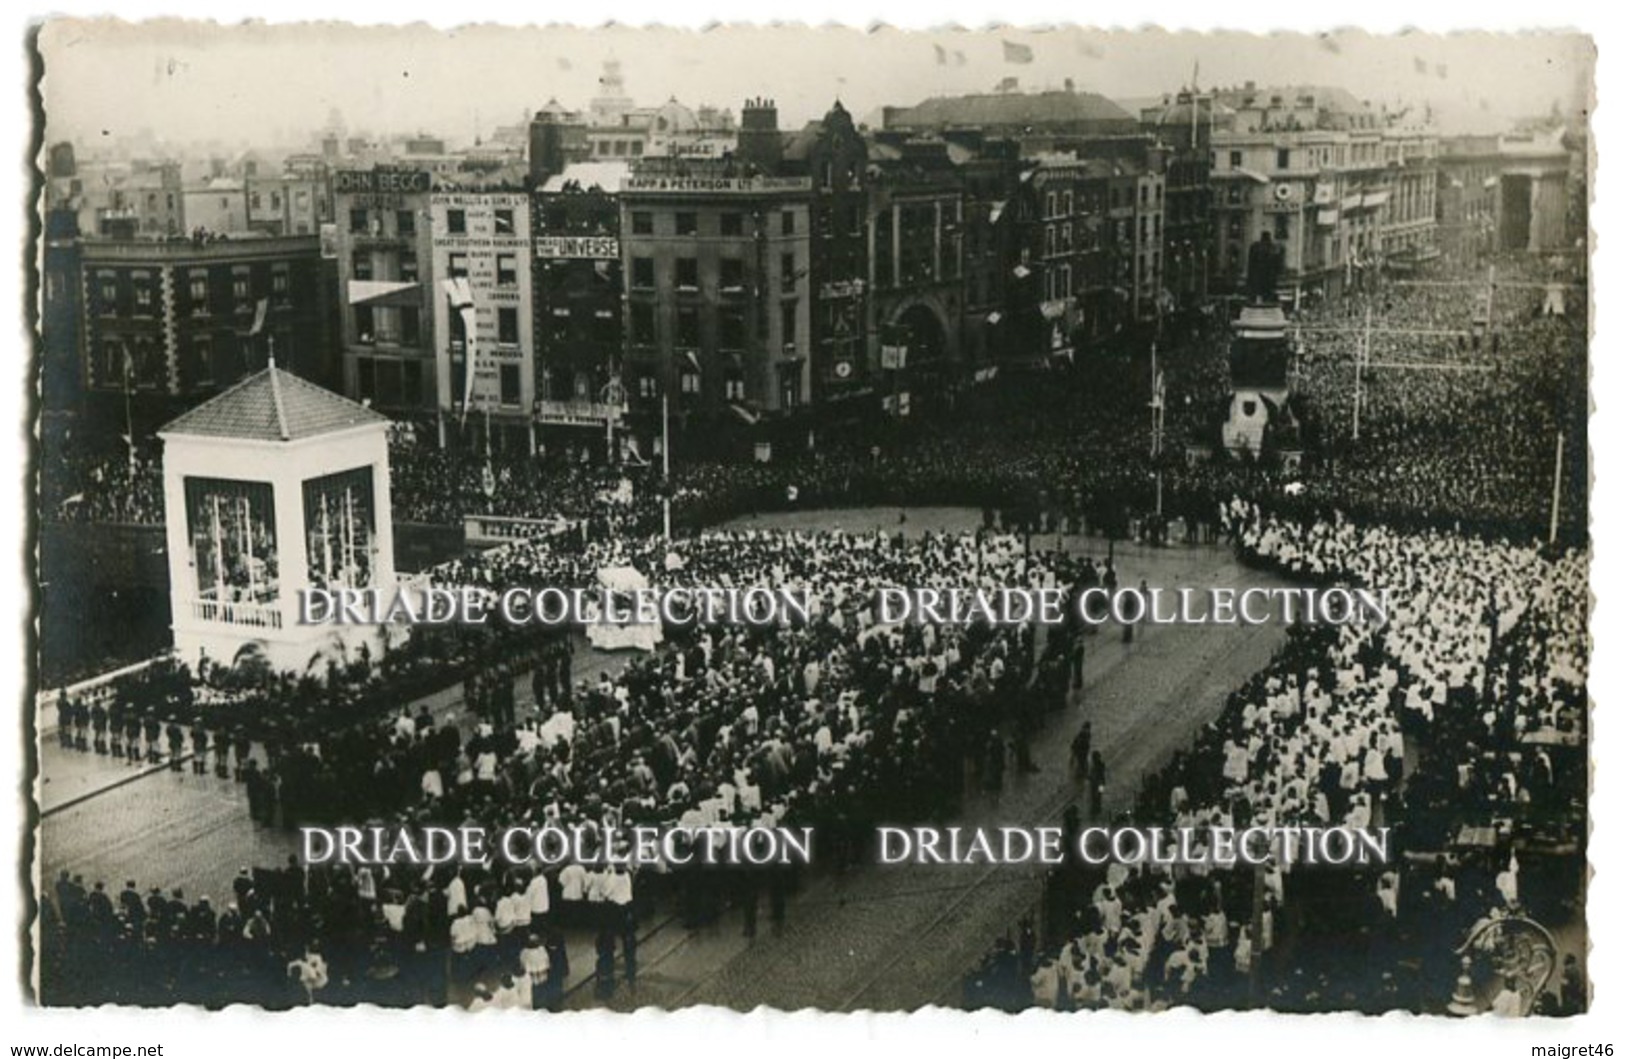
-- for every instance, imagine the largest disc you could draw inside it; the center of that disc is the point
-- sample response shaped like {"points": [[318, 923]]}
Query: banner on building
{"points": [[461, 297], [578, 247]]}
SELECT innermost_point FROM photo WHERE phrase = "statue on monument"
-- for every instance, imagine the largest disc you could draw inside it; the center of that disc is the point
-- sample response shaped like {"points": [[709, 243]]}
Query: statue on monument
{"points": [[1265, 261]]}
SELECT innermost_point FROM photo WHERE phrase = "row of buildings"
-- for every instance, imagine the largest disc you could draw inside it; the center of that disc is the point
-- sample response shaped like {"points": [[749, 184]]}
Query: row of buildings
{"points": [[750, 283]]}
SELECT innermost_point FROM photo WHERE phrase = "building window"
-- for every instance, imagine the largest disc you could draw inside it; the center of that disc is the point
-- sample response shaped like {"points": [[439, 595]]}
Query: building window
{"points": [[364, 329], [1283, 158], [733, 224], [457, 265], [1283, 227], [202, 361], [412, 383], [507, 270], [411, 333], [456, 222], [1235, 159], [733, 388], [366, 379], [239, 292], [689, 381], [688, 223], [643, 222], [787, 270], [198, 288], [510, 384], [361, 265], [504, 220], [508, 326], [647, 387], [643, 324], [787, 222], [787, 325], [406, 222], [732, 273], [358, 222], [688, 328], [688, 273], [731, 330], [643, 273], [409, 266]]}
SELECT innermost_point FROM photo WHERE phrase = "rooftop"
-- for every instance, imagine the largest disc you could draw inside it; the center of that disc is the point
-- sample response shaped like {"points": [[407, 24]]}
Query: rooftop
{"points": [[606, 176], [273, 405], [1011, 108]]}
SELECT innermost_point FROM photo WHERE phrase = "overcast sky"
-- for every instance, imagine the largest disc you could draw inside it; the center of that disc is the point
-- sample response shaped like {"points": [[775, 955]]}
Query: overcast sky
{"points": [[192, 81]]}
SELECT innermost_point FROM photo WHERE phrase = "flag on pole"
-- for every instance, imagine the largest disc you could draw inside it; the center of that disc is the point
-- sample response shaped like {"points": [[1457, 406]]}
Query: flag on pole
{"points": [[488, 479], [1017, 53], [260, 309]]}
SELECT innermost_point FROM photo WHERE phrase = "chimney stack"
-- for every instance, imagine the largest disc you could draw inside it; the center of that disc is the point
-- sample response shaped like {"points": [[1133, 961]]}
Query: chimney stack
{"points": [[759, 142], [546, 148]]}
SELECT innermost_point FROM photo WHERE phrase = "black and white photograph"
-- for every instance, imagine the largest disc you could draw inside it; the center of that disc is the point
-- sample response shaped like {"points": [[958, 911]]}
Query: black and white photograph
{"points": [[588, 519]]}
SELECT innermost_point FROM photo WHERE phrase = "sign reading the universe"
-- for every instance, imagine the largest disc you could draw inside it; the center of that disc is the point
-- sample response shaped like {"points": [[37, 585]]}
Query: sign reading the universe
{"points": [[593, 247]]}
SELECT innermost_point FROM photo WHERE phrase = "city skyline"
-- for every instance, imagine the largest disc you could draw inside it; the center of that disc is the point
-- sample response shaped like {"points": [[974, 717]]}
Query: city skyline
{"points": [[183, 82]]}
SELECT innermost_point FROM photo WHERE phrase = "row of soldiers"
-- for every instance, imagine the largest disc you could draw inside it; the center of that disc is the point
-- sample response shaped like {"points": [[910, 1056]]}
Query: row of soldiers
{"points": [[145, 734]]}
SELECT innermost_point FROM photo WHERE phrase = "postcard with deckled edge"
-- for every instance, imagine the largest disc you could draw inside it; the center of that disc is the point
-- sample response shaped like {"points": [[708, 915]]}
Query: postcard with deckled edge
{"points": [[569, 519]]}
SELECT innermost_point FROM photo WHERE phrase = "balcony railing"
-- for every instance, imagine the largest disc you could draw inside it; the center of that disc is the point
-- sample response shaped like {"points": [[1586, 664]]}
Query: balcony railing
{"points": [[230, 612]]}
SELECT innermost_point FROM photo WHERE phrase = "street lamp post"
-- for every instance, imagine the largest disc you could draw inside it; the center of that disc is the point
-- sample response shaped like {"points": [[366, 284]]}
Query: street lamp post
{"points": [[665, 465]]}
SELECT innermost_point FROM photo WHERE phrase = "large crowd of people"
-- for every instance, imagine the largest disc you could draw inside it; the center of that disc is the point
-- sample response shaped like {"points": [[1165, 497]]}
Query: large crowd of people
{"points": [[1451, 723], [1461, 402], [1461, 717], [835, 723]]}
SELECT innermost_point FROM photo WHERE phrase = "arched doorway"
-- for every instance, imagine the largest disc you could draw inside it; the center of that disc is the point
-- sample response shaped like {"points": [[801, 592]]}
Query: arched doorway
{"points": [[926, 374]]}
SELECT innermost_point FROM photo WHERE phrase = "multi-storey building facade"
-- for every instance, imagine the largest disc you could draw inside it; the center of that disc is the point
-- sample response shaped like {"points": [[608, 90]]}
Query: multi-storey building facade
{"points": [[916, 274], [1468, 196], [1318, 171], [171, 321], [832, 154], [289, 204], [1184, 125], [482, 236], [998, 279], [717, 265], [578, 291], [384, 250], [219, 206]]}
